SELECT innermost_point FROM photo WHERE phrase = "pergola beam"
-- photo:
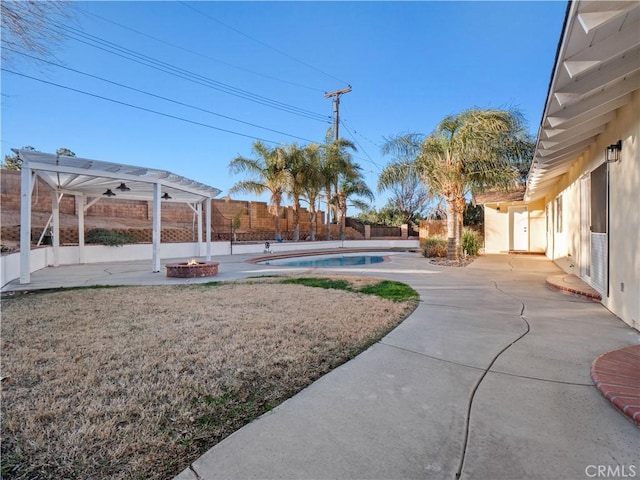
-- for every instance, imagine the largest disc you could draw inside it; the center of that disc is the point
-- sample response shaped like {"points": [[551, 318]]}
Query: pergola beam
{"points": [[207, 204], [156, 227], [26, 185]]}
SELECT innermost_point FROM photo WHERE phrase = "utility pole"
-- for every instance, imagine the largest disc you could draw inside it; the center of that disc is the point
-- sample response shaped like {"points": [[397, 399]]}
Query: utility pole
{"points": [[336, 120], [336, 104]]}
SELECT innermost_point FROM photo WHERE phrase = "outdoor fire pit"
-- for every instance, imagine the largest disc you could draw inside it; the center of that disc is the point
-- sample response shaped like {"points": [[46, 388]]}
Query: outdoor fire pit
{"points": [[192, 269]]}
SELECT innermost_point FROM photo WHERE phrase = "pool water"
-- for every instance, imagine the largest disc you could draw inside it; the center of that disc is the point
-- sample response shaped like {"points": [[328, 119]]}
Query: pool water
{"points": [[326, 261]]}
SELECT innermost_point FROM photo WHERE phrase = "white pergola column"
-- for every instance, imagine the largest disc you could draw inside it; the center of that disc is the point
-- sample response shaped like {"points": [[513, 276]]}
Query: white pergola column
{"points": [[207, 205], [199, 217], [26, 186], [55, 226], [156, 228], [80, 213]]}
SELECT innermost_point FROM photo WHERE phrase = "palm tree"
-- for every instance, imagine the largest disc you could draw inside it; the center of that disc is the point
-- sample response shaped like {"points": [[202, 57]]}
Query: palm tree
{"points": [[295, 169], [312, 182], [267, 174], [352, 186], [337, 168], [467, 153]]}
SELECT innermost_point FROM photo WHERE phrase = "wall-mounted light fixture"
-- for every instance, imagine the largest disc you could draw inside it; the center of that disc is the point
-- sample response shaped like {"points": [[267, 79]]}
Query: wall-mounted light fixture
{"points": [[612, 152], [166, 196], [109, 193], [123, 187]]}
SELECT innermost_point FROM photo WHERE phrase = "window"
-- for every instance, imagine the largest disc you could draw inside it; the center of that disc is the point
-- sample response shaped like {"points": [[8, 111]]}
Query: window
{"points": [[599, 199], [559, 214]]}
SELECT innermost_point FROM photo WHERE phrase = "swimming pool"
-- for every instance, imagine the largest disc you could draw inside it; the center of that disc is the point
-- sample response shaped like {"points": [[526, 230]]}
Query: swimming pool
{"points": [[343, 260]]}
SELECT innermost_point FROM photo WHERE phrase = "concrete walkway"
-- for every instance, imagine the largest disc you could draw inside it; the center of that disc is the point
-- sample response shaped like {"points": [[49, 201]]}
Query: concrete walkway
{"points": [[489, 378]]}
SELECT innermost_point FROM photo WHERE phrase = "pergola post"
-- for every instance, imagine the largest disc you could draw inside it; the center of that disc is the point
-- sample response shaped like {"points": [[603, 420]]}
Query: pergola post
{"points": [[156, 228], [80, 213], [199, 220], [55, 226], [207, 204], [26, 180]]}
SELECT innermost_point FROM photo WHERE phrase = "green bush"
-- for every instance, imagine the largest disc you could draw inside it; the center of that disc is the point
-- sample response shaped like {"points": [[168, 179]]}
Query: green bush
{"points": [[435, 246], [470, 242], [107, 237]]}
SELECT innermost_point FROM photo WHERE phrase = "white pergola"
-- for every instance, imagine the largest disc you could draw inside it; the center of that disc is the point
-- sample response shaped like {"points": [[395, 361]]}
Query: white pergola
{"points": [[88, 181], [597, 68]]}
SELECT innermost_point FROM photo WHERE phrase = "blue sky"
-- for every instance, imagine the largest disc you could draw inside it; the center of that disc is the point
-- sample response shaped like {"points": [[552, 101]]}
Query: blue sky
{"points": [[409, 63]]}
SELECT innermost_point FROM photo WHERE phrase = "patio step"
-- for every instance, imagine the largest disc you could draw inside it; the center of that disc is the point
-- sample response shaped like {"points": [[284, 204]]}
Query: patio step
{"points": [[572, 285], [617, 375]]}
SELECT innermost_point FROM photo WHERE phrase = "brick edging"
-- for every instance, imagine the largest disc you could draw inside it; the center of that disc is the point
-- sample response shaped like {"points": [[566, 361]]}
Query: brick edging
{"points": [[594, 296], [610, 375]]}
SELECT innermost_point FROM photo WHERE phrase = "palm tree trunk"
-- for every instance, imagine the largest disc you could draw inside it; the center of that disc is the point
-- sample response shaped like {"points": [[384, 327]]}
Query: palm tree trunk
{"points": [[461, 204], [328, 232], [296, 218], [276, 222], [312, 221], [452, 253], [342, 205]]}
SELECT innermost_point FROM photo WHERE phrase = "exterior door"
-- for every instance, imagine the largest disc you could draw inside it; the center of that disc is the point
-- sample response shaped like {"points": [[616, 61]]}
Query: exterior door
{"points": [[519, 228]]}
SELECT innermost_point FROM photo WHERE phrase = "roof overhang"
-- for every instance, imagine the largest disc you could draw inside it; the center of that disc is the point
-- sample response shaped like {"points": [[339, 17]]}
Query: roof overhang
{"points": [[493, 196], [597, 68], [92, 178]]}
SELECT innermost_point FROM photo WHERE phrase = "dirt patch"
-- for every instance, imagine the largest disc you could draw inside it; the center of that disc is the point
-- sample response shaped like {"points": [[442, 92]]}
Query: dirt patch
{"points": [[445, 262], [137, 382]]}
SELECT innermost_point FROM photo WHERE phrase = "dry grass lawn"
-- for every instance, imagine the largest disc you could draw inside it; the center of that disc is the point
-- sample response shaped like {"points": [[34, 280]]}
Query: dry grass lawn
{"points": [[136, 382]]}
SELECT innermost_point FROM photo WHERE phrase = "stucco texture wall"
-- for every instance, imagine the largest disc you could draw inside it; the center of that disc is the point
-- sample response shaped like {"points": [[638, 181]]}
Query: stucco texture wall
{"points": [[623, 298], [497, 226]]}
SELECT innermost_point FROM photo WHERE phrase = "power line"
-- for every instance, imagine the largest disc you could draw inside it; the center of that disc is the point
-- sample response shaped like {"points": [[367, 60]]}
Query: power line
{"points": [[262, 43], [361, 148], [151, 62], [155, 95], [357, 132], [175, 117], [191, 76], [288, 82]]}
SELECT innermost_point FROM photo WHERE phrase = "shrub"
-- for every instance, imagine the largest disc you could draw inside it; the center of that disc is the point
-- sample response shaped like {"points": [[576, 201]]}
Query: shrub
{"points": [[470, 242], [435, 246], [107, 237]]}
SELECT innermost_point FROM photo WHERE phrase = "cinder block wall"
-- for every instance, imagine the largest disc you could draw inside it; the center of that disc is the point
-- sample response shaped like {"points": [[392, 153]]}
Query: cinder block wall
{"points": [[255, 219]]}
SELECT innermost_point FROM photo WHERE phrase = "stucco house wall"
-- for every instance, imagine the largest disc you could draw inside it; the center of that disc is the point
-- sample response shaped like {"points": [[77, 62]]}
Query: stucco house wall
{"points": [[497, 226], [496, 229], [623, 297]]}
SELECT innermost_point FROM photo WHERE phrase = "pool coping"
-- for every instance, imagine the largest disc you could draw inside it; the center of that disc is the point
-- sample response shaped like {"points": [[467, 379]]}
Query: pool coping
{"points": [[311, 253]]}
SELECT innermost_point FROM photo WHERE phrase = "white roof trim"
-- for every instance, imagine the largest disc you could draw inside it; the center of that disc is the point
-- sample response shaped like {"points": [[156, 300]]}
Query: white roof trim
{"points": [[597, 67]]}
